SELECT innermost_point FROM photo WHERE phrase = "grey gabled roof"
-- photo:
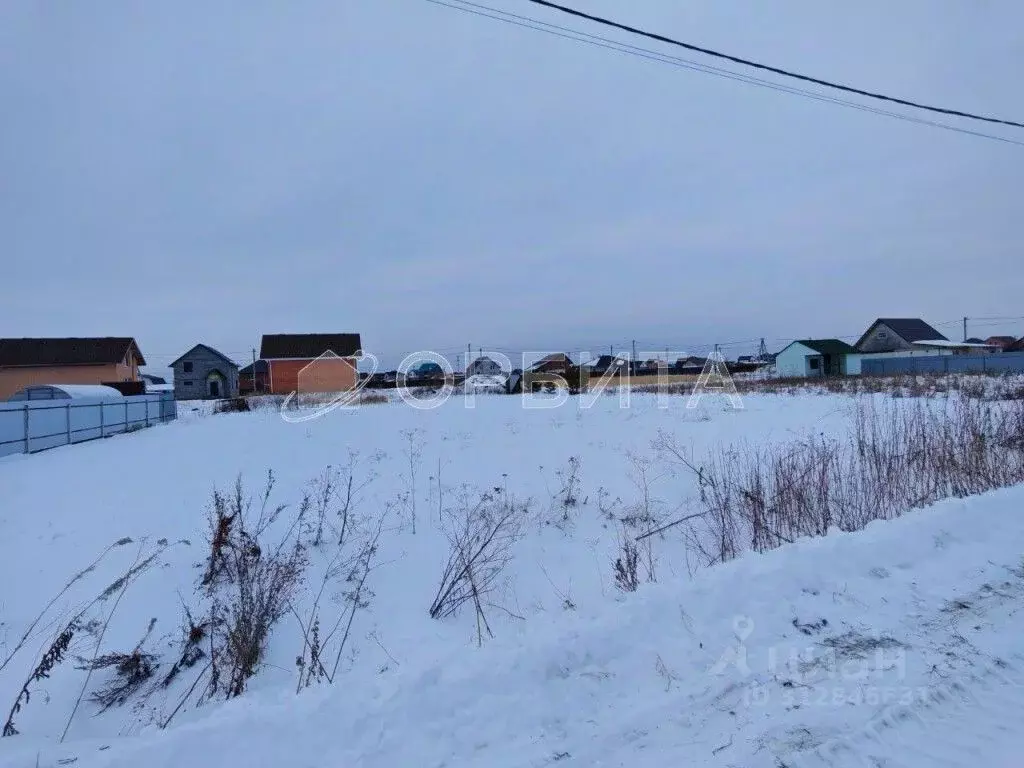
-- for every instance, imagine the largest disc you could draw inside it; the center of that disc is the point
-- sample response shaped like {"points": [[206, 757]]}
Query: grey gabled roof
{"points": [[910, 329], [309, 346], [209, 349]]}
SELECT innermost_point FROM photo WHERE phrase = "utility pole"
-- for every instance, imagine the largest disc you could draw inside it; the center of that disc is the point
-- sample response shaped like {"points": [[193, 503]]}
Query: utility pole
{"points": [[469, 355], [762, 351], [634, 350], [254, 370], [965, 329], [611, 350]]}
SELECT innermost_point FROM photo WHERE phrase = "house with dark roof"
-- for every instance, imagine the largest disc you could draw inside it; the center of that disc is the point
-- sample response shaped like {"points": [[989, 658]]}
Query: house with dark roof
{"points": [[816, 357], [203, 373], [311, 362], [1017, 346], [1000, 342], [484, 366], [102, 360], [557, 362], [691, 364], [254, 378], [605, 363], [896, 334]]}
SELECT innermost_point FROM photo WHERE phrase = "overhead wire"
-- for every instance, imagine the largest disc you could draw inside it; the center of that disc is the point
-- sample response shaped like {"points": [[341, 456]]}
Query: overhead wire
{"points": [[776, 70], [478, 9]]}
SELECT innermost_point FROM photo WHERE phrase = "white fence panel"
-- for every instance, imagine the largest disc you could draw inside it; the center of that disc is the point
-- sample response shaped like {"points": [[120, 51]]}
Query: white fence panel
{"points": [[12, 431], [35, 425]]}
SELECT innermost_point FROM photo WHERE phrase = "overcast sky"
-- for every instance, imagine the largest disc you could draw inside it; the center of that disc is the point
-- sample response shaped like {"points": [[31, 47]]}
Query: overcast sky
{"points": [[209, 172]]}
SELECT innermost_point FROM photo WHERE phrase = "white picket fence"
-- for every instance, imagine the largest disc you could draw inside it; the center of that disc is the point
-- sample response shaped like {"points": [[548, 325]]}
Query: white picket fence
{"points": [[28, 426]]}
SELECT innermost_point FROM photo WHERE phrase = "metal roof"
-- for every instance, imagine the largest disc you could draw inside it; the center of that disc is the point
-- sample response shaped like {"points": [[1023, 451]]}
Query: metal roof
{"points": [[209, 349], [910, 329], [67, 351], [308, 346], [827, 346]]}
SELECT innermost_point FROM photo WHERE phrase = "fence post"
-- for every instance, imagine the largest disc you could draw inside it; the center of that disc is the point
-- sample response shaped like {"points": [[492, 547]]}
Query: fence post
{"points": [[101, 421], [147, 409], [26, 426], [126, 414], [67, 418]]}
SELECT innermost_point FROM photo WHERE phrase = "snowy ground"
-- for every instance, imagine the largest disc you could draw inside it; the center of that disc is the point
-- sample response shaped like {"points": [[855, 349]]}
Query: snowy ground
{"points": [[822, 653]]}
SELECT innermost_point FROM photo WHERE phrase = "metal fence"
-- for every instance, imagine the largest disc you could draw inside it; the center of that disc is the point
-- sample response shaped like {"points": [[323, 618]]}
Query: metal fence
{"points": [[1006, 362], [28, 426]]}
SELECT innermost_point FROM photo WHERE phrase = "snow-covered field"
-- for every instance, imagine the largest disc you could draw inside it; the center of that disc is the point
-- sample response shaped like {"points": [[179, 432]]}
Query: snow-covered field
{"points": [[824, 652]]}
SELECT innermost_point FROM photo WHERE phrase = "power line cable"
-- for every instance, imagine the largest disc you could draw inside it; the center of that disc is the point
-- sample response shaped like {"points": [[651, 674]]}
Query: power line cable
{"points": [[567, 33], [776, 70]]}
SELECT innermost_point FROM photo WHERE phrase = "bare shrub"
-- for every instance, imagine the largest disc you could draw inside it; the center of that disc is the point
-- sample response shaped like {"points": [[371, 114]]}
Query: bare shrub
{"points": [[193, 637], [81, 626], [567, 497], [250, 583], [53, 656], [413, 451], [371, 398], [352, 566], [334, 497], [232, 405], [897, 458], [481, 535], [131, 671], [627, 566]]}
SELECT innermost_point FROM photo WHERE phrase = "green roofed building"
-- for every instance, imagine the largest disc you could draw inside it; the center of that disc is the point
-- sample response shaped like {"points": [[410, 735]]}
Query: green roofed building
{"points": [[817, 357]]}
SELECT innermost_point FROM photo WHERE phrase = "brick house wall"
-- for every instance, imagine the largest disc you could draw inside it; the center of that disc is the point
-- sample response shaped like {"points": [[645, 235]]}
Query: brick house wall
{"points": [[326, 374]]}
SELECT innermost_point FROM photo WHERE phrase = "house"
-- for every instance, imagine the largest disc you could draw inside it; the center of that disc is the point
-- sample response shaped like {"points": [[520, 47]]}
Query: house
{"points": [[29, 362], [558, 362], [647, 367], [254, 378], [1002, 342], [484, 366], [1017, 346], [892, 334], [605, 363], [203, 373], [151, 379], [311, 362], [691, 364], [428, 370], [815, 357]]}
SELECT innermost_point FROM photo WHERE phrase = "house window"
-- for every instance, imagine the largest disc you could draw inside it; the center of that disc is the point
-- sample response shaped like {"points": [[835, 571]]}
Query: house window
{"points": [[186, 367], [815, 363]]}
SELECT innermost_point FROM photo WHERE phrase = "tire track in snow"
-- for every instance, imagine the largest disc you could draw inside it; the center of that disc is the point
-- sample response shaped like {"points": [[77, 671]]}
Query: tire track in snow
{"points": [[976, 717]]}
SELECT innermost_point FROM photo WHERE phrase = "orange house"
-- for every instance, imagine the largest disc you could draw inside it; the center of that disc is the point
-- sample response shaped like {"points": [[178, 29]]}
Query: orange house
{"points": [[311, 362], [28, 362]]}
